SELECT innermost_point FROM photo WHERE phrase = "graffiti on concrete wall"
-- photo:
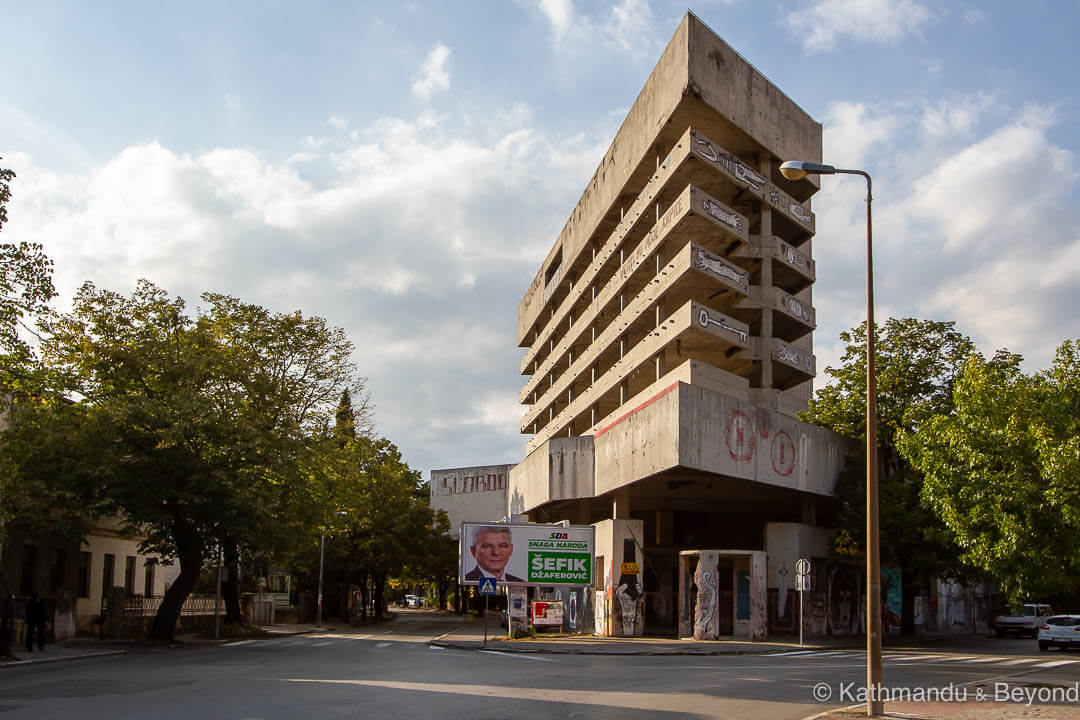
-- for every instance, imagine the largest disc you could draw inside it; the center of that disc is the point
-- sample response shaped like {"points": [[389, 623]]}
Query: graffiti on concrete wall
{"points": [[706, 615], [952, 605], [782, 608], [816, 618], [892, 599], [799, 212], [630, 598], [455, 484], [714, 264], [729, 163], [718, 212], [783, 454], [843, 599], [740, 436], [705, 319]]}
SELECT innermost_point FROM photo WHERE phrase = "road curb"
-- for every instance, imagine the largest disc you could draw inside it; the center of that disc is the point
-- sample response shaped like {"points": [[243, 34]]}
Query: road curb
{"points": [[61, 658], [586, 651]]}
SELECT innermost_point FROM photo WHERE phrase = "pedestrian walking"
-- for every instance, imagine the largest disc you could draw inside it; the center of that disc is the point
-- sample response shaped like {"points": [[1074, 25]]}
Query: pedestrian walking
{"points": [[35, 620]]}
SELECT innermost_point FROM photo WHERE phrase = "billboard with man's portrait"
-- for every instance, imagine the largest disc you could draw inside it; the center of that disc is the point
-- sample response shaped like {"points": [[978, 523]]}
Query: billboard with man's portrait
{"points": [[526, 554]]}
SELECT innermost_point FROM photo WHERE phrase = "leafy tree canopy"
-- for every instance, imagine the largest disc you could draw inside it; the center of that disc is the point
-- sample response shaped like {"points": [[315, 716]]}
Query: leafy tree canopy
{"points": [[25, 284], [916, 365], [1003, 471]]}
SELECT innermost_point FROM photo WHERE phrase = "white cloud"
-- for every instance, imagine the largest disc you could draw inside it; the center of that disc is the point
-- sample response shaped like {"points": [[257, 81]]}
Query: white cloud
{"points": [[337, 121], [975, 220], [433, 74], [231, 102], [878, 21], [560, 14], [630, 25], [947, 117], [420, 243], [973, 16], [851, 129]]}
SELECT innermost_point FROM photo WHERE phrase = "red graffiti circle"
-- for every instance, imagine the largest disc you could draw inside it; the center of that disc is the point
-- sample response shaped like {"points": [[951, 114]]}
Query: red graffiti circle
{"points": [[783, 453], [740, 436]]}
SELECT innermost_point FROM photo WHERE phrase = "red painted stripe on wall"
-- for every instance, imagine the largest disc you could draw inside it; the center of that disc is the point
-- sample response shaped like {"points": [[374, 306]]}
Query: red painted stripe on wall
{"points": [[639, 408]]}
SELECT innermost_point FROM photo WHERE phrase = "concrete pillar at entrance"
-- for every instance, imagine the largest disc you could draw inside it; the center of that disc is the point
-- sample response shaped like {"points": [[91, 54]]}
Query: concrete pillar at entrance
{"points": [[620, 605], [707, 608], [620, 507], [759, 597]]}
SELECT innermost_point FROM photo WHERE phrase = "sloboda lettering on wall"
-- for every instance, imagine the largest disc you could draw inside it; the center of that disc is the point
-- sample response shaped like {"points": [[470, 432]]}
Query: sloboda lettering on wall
{"points": [[527, 554]]}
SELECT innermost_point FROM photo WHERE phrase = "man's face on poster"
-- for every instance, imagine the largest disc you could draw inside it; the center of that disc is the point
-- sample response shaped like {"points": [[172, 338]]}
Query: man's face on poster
{"points": [[492, 550]]}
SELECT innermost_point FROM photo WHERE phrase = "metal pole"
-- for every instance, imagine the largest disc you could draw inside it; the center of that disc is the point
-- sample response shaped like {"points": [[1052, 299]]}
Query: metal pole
{"points": [[875, 706], [318, 601], [800, 613], [217, 599], [486, 596]]}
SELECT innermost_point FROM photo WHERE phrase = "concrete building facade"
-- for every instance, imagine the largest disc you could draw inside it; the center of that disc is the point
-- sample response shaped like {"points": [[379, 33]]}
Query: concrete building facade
{"points": [[669, 348], [472, 494]]}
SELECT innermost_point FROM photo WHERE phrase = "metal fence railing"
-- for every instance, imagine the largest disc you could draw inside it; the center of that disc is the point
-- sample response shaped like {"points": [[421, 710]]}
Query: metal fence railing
{"points": [[147, 605]]}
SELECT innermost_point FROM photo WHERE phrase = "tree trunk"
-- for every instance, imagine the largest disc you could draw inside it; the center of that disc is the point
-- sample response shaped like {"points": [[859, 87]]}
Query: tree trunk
{"points": [[363, 595], [345, 596], [378, 580], [189, 552], [442, 584], [907, 605], [230, 584]]}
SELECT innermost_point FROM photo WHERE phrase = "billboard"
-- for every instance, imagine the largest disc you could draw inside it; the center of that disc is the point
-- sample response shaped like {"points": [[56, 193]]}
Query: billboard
{"points": [[526, 554]]}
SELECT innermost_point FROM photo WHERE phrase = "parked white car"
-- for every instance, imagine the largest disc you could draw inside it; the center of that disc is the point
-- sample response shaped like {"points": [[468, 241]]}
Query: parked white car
{"points": [[414, 601], [1062, 631], [1024, 620]]}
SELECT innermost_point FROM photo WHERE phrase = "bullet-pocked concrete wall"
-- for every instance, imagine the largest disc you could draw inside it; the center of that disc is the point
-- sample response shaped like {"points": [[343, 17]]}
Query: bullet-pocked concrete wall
{"points": [[690, 427], [471, 494], [560, 469]]}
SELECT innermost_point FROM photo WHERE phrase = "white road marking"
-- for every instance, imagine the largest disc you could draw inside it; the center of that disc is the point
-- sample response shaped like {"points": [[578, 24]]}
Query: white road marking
{"points": [[240, 642], [1055, 663], [518, 655], [985, 660], [383, 644], [324, 643], [435, 647], [1021, 661], [792, 652], [913, 657]]}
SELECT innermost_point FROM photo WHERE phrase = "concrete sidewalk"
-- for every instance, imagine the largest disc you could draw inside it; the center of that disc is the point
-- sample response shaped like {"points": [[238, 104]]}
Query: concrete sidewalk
{"points": [[86, 648], [470, 636]]}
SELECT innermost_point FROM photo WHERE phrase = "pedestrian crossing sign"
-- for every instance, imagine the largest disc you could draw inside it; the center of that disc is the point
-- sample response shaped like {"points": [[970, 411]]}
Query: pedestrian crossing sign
{"points": [[486, 586]]}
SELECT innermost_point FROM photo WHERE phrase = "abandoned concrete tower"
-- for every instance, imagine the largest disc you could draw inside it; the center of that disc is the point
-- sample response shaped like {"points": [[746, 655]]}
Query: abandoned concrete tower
{"points": [[669, 337]]}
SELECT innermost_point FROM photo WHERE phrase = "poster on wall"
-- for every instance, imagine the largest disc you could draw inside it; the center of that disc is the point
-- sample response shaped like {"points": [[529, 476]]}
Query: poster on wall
{"points": [[892, 590], [530, 554]]}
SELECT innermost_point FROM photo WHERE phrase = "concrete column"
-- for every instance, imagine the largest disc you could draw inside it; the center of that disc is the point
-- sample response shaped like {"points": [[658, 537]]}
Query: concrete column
{"points": [[759, 597], [707, 609], [766, 283], [620, 506]]}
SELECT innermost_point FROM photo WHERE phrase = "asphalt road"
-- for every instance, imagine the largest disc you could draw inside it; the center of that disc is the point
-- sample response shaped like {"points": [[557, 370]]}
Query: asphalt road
{"points": [[393, 672]]}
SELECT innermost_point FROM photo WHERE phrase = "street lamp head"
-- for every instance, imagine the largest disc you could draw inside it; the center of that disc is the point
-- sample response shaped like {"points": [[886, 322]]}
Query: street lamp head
{"points": [[341, 512], [798, 169]]}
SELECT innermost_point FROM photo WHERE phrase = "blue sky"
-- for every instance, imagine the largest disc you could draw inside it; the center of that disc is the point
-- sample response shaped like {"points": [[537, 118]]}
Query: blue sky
{"points": [[402, 168]]}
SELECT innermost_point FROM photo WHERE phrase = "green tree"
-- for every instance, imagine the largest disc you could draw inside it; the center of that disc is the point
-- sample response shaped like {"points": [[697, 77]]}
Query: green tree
{"points": [[25, 287], [1003, 471], [195, 430], [916, 365]]}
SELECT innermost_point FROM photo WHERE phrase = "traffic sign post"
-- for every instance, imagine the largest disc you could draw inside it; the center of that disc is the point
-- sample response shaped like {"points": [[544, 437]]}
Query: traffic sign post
{"points": [[802, 582], [486, 587]]}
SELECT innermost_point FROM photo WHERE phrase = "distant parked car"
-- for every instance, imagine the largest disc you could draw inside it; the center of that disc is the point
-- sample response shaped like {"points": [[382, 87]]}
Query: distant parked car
{"points": [[414, 601], [1062, 631], [1024, 620]]}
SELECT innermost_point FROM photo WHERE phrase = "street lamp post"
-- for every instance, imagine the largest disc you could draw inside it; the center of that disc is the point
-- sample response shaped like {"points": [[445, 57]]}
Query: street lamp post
{"points": [[797, 170], [322, 557]]}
